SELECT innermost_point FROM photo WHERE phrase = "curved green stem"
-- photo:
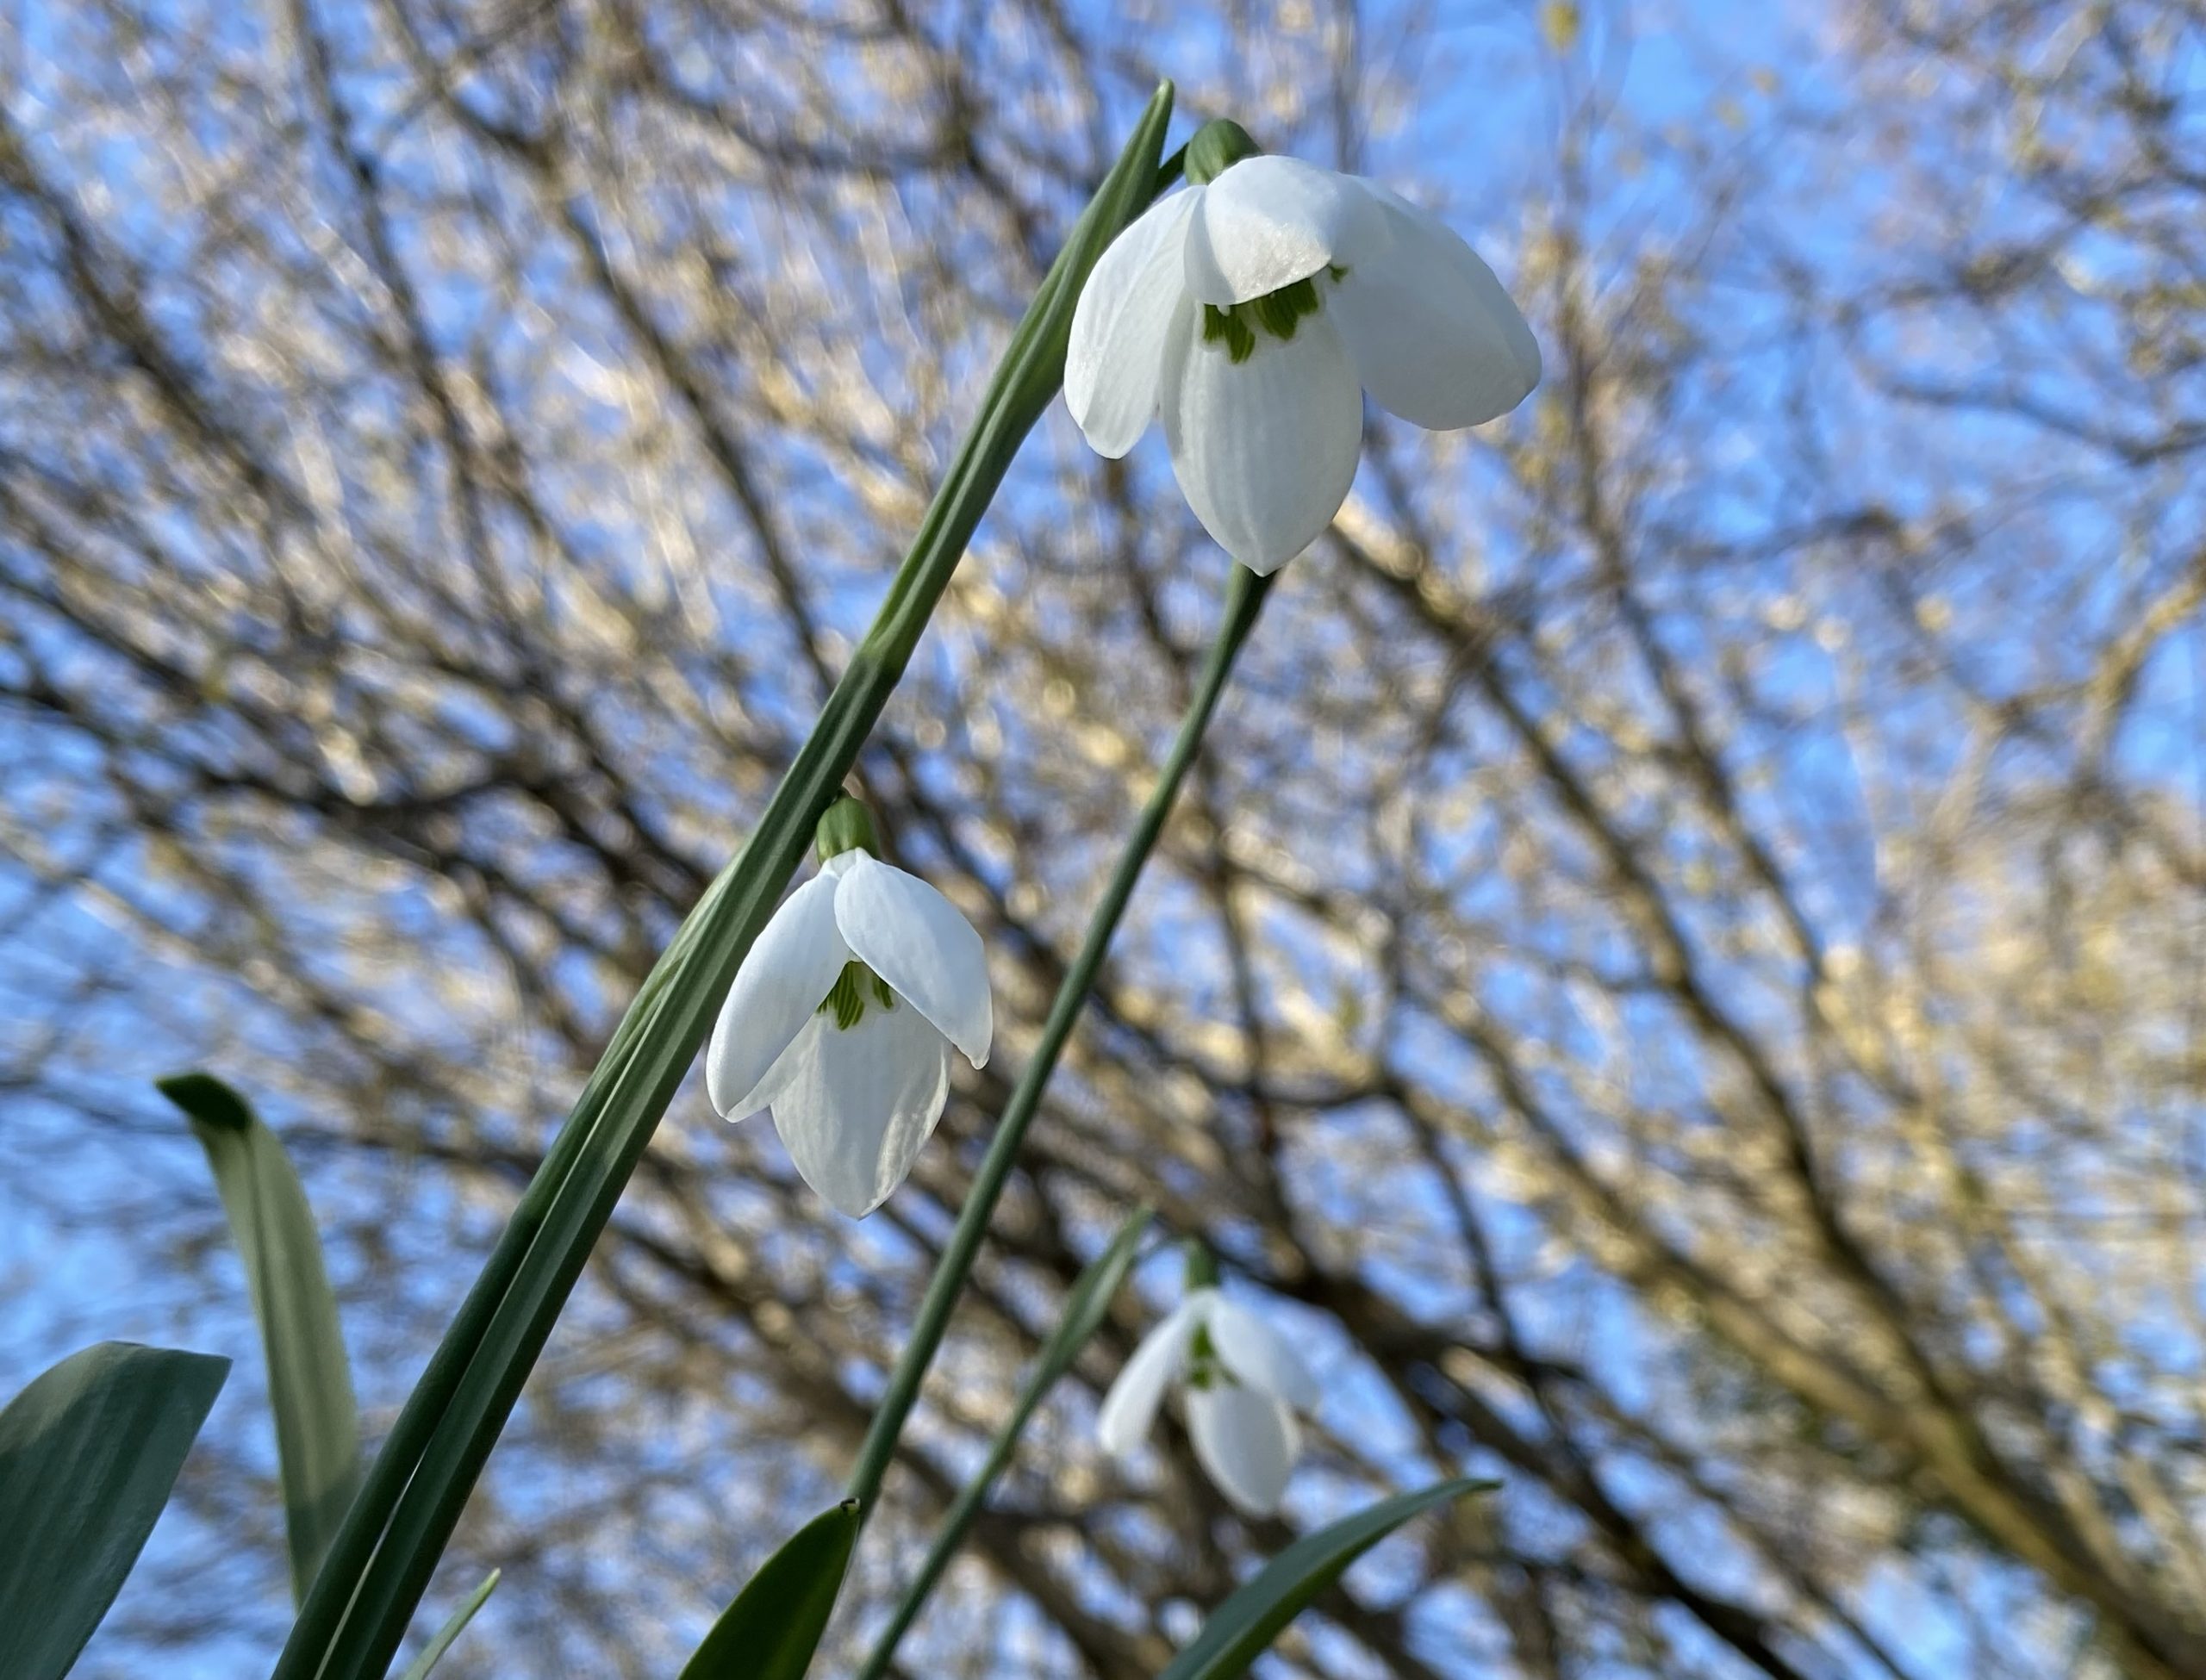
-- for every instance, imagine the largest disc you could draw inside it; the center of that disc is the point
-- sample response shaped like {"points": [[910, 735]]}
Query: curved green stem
{"points": [[1244, 600], [1086, 1307]]}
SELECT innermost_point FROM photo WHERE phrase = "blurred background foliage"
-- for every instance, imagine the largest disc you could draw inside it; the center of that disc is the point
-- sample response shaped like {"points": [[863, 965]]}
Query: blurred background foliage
{"points": [[1681, 973]]}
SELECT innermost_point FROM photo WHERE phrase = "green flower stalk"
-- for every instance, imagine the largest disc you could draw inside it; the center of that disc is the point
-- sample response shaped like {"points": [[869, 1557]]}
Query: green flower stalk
{"points": [[1245, 599]]}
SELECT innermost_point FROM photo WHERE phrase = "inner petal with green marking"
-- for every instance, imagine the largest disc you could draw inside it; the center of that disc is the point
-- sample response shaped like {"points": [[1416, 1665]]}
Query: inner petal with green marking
{"points": [[847, 998], [1205, 1369], [1276, 314]]}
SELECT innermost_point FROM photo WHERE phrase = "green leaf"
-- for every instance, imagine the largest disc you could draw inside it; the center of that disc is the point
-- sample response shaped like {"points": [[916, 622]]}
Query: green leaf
{"points": [[773, 1627], [1240, 1628], [309, 1382], [88, 1454], [420, 1667], [355, 1616], [1085, 1308]]}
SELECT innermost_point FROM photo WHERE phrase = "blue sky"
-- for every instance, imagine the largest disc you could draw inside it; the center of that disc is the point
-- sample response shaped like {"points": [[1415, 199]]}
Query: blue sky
{"points": [[1471, 122]]}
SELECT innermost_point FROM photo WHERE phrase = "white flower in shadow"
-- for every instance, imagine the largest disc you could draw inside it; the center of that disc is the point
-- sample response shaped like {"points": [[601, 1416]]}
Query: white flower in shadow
{"points": [[1243, 1383]]}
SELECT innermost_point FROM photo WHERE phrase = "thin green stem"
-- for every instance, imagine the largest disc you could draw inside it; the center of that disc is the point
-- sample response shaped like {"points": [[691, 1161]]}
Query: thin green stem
{"points": [[1086, 1306], [1244, 600], [355, 1614]]}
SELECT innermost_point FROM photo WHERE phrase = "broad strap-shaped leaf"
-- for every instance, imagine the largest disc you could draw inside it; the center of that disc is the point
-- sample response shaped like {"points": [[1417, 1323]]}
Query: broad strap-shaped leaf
{"points": [[88, 1454], [1240, 1628], [356, 1615], [431, 1653], [772, 1630], [1091, 1297], [309, 1381]]}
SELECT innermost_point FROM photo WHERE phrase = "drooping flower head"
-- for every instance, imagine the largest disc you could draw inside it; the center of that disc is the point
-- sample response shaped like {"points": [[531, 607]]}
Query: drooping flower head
{"points": [[1243, 1381], [843, 1017], [1253, 310]]}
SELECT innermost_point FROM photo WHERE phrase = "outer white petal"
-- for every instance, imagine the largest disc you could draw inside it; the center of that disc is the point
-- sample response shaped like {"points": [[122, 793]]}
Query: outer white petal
{"points": [[1264, 450], [786, 976], [1246, 1442], [859, 1103], [1130, 1406], [914, 938], [1434, 336], [786, 1065], [1268, 221], [1114, 364], [1251, 1346]]}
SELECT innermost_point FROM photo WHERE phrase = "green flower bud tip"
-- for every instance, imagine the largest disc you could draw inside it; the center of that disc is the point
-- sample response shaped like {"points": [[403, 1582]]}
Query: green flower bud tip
{"points": [[1217, 146], [847, 827]]}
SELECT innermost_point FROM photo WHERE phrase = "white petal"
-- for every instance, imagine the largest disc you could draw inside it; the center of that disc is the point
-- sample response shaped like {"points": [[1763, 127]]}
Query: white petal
{"points": [[1434, 337], [1268, 221], [1246, 1442], [1130, 1406], [1264, 450], [860, 1102], [913, 937], [786, 976], [1115, 361], [786, 1068], [1251, 1346]]}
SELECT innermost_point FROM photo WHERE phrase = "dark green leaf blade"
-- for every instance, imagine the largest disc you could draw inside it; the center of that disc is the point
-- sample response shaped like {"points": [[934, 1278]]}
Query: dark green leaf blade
{"points": [[772, 1630], [88, 1454], [1085, 1307], [355, 1617], [309, 1380], [1240, 1628], [433, 1651]]}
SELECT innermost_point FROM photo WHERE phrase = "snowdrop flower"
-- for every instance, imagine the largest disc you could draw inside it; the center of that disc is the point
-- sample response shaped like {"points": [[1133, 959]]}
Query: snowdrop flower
{"points": [[1253, 310], [842, 1018], [1243, 1383]]}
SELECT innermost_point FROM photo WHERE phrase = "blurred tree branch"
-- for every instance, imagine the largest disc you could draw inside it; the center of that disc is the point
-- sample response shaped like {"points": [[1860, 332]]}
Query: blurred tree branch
{"points": [[1683, 969]]}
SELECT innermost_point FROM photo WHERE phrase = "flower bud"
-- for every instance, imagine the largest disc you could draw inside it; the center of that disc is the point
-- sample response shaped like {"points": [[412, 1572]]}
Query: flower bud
{"points": [[847, 826], [1217, 146]]}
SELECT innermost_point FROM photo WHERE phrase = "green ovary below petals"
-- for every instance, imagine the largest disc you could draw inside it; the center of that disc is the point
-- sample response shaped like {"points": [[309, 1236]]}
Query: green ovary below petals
{"points": [[1276, 314], [847, 998], [846, 825]]}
